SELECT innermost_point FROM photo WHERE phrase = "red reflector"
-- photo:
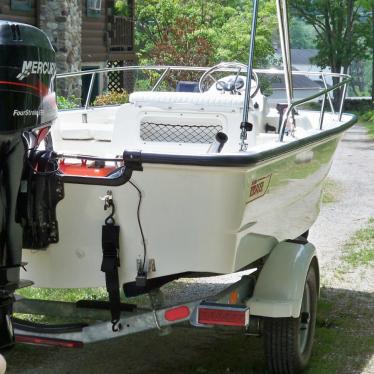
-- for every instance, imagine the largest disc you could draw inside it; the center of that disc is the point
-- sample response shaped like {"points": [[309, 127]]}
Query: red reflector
{"points": [[177, 314], [225, 317], [27, 339]]}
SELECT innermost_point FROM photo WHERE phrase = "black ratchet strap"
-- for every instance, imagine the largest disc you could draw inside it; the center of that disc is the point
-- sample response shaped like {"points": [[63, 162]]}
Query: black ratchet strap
{"points": [[110, 264]]}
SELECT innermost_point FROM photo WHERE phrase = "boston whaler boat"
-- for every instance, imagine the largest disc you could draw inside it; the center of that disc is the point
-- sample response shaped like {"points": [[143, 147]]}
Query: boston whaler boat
{"points": [[177, 184]]}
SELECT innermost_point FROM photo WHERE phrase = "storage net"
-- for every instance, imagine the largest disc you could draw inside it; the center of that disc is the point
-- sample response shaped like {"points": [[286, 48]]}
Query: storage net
{"points": [[163, 132]]}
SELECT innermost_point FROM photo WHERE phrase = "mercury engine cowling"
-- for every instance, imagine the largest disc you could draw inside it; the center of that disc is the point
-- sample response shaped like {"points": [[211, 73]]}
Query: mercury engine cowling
{"points": [[27, 102]]}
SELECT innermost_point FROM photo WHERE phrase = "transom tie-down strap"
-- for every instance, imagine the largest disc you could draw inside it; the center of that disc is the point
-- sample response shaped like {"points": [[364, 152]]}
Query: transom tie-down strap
{"points": [[109, 265]]}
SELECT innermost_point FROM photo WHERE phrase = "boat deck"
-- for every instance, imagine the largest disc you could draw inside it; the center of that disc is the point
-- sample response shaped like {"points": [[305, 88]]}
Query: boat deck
{"points": [[170, 130]]}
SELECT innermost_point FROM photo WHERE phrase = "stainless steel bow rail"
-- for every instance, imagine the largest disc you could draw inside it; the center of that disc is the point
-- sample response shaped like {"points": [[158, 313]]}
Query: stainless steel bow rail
{"points": [[325, 93]]}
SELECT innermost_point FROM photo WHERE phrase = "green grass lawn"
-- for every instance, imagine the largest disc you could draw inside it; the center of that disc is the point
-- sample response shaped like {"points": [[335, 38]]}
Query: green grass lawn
{"points": [[331, 191], [359, 250], [342, 342], [344, 339], [366, 119], [64, 294]]}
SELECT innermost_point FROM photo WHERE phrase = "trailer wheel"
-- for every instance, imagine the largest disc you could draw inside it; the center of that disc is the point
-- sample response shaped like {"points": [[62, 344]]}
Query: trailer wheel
{"points": [[289, 341]]}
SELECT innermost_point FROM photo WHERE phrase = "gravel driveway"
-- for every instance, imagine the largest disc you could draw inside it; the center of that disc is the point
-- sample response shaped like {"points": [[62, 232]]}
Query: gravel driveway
{"points": [[353, 171], [198, 351]]}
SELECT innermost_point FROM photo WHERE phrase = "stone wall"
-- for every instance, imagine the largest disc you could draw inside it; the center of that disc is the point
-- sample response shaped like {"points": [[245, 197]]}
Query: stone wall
{"points": [[62, 22]]}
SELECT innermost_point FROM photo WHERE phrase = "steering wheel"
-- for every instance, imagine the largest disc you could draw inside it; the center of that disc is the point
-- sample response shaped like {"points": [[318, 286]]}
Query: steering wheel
{"points": [[233, 85]]}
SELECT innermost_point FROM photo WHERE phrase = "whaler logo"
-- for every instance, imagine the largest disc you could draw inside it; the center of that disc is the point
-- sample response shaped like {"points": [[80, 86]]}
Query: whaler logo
{"points": [[36, 67], [259, 187]]}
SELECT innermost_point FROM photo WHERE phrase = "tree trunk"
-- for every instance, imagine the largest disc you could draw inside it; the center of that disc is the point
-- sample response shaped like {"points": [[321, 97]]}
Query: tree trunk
{"points": [[335, 80]]}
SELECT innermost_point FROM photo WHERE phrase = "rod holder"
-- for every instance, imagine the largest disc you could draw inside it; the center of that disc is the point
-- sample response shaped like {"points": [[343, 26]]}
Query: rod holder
{"points": [[218, 143]]}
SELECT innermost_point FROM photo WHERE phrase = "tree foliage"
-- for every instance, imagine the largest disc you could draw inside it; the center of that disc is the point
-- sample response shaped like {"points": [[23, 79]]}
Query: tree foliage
{"points": [[122, 7], [201, 32], [182, 45], [302, 35], [339, 31], [345, 33], [368, 5]]}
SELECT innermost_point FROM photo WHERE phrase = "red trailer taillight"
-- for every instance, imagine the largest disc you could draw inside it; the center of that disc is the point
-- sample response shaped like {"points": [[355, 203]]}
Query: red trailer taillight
{"points": [[222, 314], [28, 339]]}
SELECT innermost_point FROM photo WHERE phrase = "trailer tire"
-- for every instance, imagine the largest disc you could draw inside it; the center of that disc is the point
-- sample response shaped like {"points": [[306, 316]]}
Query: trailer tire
{"points": [[288, 341]]}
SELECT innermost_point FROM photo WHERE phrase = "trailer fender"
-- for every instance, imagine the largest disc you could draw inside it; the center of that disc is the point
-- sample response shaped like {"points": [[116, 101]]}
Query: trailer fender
{"points": [[279, 289]]}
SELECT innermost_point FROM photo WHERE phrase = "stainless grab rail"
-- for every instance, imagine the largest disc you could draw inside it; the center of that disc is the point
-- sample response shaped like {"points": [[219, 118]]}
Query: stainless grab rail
{"points": [[345, 79], [191, 68], [312, 97]]}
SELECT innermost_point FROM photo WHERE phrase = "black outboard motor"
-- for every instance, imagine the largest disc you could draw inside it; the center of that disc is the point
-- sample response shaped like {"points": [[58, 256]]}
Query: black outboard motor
{"points": [[27, 105]]}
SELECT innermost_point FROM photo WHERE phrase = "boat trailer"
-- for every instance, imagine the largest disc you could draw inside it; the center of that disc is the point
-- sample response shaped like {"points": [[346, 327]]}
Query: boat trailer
{"points": [[242, 300], [227, 308]]}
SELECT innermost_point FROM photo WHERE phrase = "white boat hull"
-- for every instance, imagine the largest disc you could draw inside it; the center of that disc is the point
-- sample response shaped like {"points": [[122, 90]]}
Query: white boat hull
{"points": [[195, 218]]}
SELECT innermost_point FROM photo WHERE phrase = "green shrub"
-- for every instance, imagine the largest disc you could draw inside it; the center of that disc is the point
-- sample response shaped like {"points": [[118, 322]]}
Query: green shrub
{"points": [[368, 116], [112, 98], [367, 119], [143, 84], [121, 8], [67, 102]]}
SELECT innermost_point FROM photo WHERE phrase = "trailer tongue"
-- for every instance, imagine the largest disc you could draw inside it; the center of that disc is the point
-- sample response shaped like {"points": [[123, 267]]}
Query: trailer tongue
{"points": [[27, 105]]}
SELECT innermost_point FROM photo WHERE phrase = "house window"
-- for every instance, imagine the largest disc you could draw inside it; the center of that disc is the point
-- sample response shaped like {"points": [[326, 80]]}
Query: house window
{"points": [[20, 4], [94, 8]]}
